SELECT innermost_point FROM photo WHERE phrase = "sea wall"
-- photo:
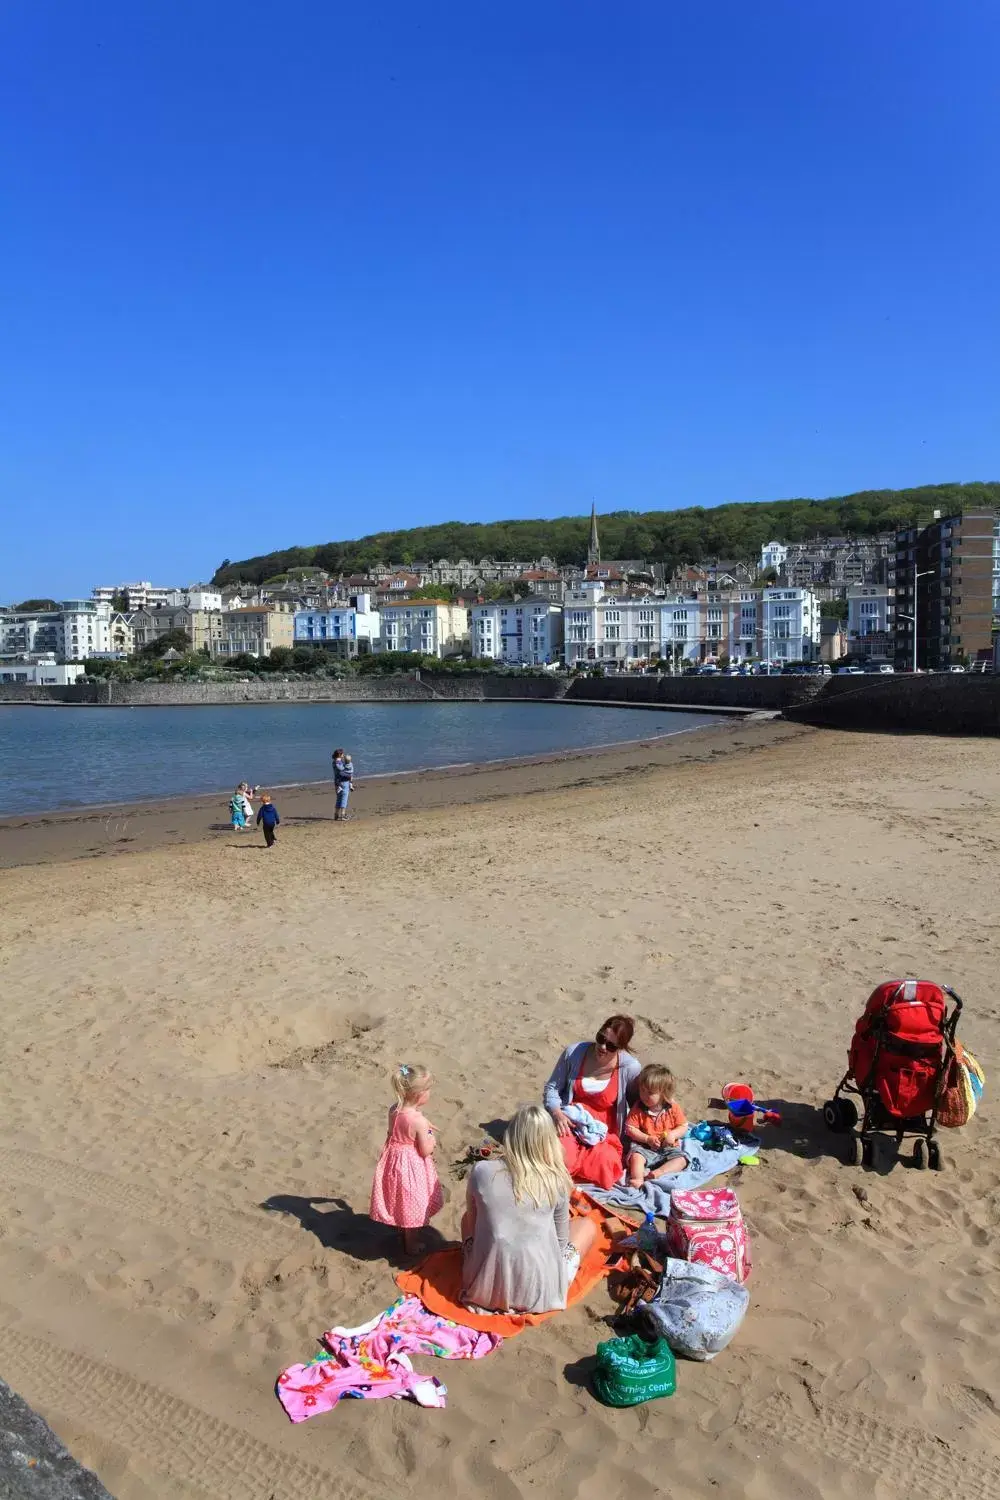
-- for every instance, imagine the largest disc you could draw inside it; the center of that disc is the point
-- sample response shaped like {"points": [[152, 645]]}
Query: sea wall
{"points": [[697, 692], [397, 689], [934, 704], [938, 703]]}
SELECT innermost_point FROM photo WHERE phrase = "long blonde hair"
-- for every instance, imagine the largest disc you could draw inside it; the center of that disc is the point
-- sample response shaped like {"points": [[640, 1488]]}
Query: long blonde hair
{"points": [[534, 1158]]}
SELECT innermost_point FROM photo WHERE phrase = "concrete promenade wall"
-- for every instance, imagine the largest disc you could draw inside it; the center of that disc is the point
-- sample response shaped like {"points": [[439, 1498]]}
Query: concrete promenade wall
{"points": [[933, 704], [428, 688], [937, 703], [698, 692]]}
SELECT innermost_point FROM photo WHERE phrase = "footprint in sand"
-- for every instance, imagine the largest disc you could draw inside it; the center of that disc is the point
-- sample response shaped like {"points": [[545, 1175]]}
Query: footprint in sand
{"points": [[846, 1378]]}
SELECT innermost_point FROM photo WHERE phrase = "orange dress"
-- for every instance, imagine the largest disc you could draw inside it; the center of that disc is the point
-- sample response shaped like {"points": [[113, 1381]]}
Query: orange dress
{"points": [[602, 1164], [406, 1191]]}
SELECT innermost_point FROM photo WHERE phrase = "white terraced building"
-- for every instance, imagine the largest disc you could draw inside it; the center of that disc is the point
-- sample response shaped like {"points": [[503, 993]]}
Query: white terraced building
{"points": [[622, 633], [871, 620], [518, 632]]}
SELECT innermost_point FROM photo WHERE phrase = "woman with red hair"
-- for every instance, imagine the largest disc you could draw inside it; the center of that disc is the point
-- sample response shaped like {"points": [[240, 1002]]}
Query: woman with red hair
{"points": [[597, 1077]]}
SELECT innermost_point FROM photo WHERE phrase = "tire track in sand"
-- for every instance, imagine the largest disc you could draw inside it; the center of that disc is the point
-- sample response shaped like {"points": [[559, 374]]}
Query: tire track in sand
{"points": [[184, 1444], [915, 1462]]}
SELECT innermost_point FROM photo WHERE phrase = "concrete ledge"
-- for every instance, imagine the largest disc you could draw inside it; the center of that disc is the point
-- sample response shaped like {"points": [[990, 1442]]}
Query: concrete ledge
{"points": [[34, 1465]]}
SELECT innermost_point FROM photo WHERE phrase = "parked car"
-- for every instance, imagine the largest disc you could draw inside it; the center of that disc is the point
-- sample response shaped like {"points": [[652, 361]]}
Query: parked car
{"points": [[956, 669], [850, 671], [879, 669]]}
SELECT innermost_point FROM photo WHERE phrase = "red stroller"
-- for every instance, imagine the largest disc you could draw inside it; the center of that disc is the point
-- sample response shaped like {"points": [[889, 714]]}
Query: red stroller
{"points": [[897, 1063]]}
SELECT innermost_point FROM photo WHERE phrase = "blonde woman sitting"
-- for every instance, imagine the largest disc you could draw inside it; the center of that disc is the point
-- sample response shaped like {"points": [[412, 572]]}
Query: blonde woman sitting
{"points": [[521, 1251]]}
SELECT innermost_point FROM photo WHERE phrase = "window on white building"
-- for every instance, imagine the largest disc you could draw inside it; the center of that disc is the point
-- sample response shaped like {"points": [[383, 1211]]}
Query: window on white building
{"points": [[613, 632]]}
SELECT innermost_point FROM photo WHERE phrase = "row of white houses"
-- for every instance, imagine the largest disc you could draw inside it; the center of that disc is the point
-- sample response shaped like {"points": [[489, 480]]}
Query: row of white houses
{"points": [[595, 627]]}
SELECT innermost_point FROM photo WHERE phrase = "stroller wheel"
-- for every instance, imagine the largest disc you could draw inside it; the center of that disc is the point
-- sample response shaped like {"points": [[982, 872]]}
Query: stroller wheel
{"points": [[839, 1114], [934, 1158], [852, 1155], [920, 1154]]}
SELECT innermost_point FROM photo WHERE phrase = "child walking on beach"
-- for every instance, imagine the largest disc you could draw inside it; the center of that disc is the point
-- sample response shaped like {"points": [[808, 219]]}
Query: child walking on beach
{"points": [[406, 1191], [237, 810], [654, 1127], [268, 818]]}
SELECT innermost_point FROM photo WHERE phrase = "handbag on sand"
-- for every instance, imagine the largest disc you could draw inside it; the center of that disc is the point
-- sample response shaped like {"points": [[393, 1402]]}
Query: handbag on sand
{"points": [[697, 1309]]}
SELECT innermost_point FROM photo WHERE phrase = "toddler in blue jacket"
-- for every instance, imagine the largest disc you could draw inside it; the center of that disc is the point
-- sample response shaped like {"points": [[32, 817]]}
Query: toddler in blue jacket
{"points": [[267, 817]]}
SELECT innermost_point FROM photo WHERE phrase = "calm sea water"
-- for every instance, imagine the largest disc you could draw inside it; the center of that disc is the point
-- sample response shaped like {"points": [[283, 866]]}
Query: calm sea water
{"points": [[70, 757]]}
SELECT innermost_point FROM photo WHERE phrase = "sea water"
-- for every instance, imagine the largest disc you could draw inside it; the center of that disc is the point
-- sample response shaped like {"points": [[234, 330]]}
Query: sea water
{"points": [[64, 757]]}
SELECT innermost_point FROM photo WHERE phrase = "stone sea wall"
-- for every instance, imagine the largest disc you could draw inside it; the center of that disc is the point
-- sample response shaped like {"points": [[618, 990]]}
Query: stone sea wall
{"points": [[402, 689], [936, 704], [697, 692]]}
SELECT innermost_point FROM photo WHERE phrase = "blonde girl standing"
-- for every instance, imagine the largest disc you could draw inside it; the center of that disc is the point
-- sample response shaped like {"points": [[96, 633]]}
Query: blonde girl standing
{"points": [[406, 1191]]}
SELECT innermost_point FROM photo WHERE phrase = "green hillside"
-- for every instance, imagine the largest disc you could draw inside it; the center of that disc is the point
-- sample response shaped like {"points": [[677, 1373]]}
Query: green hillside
{"points": [[670, 536]]}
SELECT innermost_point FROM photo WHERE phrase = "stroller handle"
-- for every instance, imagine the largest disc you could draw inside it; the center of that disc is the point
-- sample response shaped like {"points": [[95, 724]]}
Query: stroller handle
{"points": [[957, 998]]}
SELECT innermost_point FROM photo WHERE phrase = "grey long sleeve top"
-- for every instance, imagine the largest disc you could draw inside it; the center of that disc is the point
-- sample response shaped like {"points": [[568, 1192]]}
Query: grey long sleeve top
{"points": [[558, 1091]]}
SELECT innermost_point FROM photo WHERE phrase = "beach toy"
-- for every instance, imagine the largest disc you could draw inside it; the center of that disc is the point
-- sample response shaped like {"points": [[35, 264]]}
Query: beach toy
{"points": [[737, 1091], [743, 1109], [749, 1161]]}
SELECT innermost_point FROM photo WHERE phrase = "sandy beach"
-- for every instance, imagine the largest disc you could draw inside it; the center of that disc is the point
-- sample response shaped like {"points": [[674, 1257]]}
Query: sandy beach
{"points": [[195, 1029]]}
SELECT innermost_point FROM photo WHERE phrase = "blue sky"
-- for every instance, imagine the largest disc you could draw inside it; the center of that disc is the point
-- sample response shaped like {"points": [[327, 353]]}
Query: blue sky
{"points": [[290, 274]]}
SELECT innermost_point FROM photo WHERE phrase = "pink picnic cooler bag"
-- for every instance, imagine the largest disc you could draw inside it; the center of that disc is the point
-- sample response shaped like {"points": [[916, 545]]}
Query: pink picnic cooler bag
{"points": [[706, 1226]]}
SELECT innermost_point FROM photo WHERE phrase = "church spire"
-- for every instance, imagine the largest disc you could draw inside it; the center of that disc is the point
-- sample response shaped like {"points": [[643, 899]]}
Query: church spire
{"points": [[594, 549]]}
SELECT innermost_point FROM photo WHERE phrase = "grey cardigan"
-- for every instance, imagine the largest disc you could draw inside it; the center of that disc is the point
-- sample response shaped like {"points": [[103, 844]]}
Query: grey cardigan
{"points": [[514, 1257], [559, 1089]]}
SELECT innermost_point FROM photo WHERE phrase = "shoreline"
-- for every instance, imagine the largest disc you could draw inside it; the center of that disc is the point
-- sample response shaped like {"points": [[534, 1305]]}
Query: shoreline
{"points": [[105, 829]]}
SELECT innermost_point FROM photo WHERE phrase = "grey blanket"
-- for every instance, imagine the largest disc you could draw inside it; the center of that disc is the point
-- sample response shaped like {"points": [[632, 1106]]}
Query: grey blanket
{"points": [[654, 1197]]}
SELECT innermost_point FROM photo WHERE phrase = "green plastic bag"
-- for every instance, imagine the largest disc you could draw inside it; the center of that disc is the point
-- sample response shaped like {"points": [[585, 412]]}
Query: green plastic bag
{"points": [[632, 1370]]}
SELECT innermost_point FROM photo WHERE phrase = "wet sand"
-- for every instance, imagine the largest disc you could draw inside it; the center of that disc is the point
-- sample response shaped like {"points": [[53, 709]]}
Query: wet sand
{"points": [[123, 828]]}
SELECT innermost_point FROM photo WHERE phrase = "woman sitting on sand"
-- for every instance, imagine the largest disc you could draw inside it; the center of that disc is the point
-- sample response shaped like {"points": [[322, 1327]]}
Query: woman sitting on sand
{"points": [[598, 1077], [520, 1250]]}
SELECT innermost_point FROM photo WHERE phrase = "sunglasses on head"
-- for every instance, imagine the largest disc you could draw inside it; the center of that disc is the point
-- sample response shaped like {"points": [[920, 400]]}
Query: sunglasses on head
{"points": [[608, 1046]]}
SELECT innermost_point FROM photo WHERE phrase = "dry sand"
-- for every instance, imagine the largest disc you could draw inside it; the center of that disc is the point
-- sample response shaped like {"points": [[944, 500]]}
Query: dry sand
{"points": [[195, 1030]]}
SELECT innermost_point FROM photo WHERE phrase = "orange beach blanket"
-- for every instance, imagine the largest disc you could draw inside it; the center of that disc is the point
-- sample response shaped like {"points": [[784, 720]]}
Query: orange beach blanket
{"points": [[437, 1280]]}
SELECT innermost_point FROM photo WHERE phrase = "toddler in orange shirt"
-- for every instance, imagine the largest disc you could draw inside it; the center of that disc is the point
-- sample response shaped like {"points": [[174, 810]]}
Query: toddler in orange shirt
{"points": [[654, 1127]]}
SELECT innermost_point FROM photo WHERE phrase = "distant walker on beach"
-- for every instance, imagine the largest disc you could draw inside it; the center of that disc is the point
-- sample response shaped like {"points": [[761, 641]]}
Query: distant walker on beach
{"points": [[343, 779]]}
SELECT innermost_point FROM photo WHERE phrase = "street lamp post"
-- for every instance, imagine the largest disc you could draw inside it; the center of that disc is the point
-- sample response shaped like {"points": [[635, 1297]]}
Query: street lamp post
{"points": [[916, 594], [916, 579]]}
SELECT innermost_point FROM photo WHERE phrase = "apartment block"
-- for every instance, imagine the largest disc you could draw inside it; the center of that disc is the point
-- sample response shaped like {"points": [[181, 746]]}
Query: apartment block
{"points": [[518, 632], [78, 628], [947, 589]]}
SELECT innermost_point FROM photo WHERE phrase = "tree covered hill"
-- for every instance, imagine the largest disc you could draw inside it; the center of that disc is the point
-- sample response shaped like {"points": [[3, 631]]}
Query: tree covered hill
{"points": [[668, 536]]}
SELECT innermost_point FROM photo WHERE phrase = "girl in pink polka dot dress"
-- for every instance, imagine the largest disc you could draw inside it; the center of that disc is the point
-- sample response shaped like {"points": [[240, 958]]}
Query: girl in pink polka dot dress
{"points": [[406, 1191]]}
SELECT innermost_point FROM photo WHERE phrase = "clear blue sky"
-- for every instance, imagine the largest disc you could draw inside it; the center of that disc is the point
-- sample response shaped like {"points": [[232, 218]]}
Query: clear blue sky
{"points": [[278, 274]]}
